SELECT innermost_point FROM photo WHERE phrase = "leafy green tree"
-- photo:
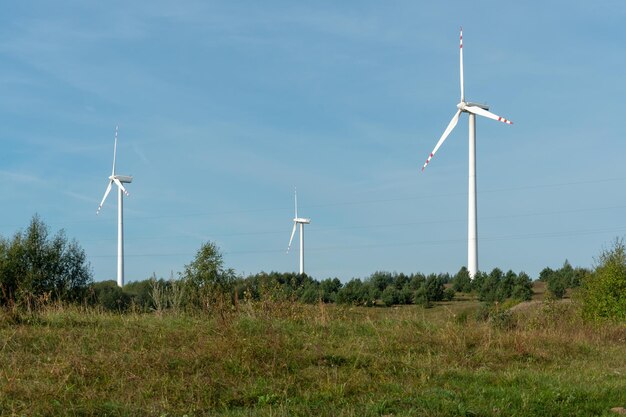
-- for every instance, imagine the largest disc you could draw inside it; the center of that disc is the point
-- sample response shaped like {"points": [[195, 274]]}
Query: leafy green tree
{"points": [[400, 280], [508, 282], [311, 294], [462, 281], [448, 294], [406, 294], [478, 280], [329, 289], [416, 281], [545, 274], [421, 297], [390, 296], [380, 280], [603, 292], [490, 290], [557, 285], [522, 288], [353, 292], [110, 297], [206, 278], [140, 292], [434, 288], [35, 266]]}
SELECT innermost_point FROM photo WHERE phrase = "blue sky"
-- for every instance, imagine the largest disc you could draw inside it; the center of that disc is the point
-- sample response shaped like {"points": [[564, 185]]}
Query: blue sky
{"points": [[223, 107]]}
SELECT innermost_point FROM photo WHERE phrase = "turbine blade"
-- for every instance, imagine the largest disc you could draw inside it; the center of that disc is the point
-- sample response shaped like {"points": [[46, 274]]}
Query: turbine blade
{"points": [[114, 152], [461, 66], [482, 112], [119, 184], [293, 232], [106, 193], [295, 194], [451, 126]]}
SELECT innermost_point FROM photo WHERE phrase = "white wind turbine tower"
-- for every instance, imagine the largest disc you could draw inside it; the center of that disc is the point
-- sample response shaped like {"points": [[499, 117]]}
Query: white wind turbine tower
{"points": [[119, 180], [472, 109], [298, 221]]}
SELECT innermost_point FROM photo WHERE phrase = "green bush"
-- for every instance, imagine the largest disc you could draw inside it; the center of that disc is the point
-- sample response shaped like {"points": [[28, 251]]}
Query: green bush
{"points": [[109, 296], [421, 297], [354, 292], [603, 291], [390, 296], [311, 294]]}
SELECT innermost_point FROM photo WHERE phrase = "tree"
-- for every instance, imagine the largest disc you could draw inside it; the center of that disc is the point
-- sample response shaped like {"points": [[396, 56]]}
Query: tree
{"points": [[545, 274], [390, 296], [523, 287], [478, 280], [329, 288], [356, 292], [434, 288], [205, 277], [421, 297], [490, 289], [380, 280], [557, 285], [462, 281], [107, 295], [507, 284], [416, 281], [35, 267], [603, 291]]}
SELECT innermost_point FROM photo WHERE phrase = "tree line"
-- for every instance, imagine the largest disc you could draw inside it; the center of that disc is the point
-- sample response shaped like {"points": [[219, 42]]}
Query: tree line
{"points": [[37, 268]]}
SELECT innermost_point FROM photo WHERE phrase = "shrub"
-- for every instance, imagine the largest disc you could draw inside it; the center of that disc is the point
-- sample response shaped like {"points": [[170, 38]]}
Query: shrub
{"points": [[329, 288], [311, 294], [390, 296], [603, 291], [406, 295], [109, 296], [353, 292], [421, 297]]}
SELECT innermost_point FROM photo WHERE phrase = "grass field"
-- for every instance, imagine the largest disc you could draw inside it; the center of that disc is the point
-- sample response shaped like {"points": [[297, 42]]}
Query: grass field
{"points": [[286, 359]]}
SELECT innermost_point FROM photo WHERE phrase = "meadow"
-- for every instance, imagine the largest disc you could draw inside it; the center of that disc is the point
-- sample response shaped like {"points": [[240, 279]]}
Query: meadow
{"points": [[282, 358]]}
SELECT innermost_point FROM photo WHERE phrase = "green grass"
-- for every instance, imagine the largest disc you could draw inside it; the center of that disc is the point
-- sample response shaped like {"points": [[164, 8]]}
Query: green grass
{"points": [[282, 359]]}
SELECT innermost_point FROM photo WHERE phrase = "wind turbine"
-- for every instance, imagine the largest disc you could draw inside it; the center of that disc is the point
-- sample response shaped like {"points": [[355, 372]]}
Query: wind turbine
{"points": [[119, 180], [472, 109], [298, 221]]}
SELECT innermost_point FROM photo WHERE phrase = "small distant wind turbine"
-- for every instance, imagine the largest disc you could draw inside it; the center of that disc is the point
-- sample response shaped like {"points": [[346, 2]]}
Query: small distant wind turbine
{"points": [[119, 180], [472, 109], [298, 221]]}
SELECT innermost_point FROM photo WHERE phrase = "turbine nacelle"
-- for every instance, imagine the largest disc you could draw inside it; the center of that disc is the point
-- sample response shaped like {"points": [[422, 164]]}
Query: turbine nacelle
{"points": [[465, 104], [125, 179], [301, 220]]}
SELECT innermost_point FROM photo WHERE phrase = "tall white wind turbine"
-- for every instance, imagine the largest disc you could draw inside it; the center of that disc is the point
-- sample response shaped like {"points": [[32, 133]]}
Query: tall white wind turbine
{"points": [[298, 221], [472, 109], [119, 181]]}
